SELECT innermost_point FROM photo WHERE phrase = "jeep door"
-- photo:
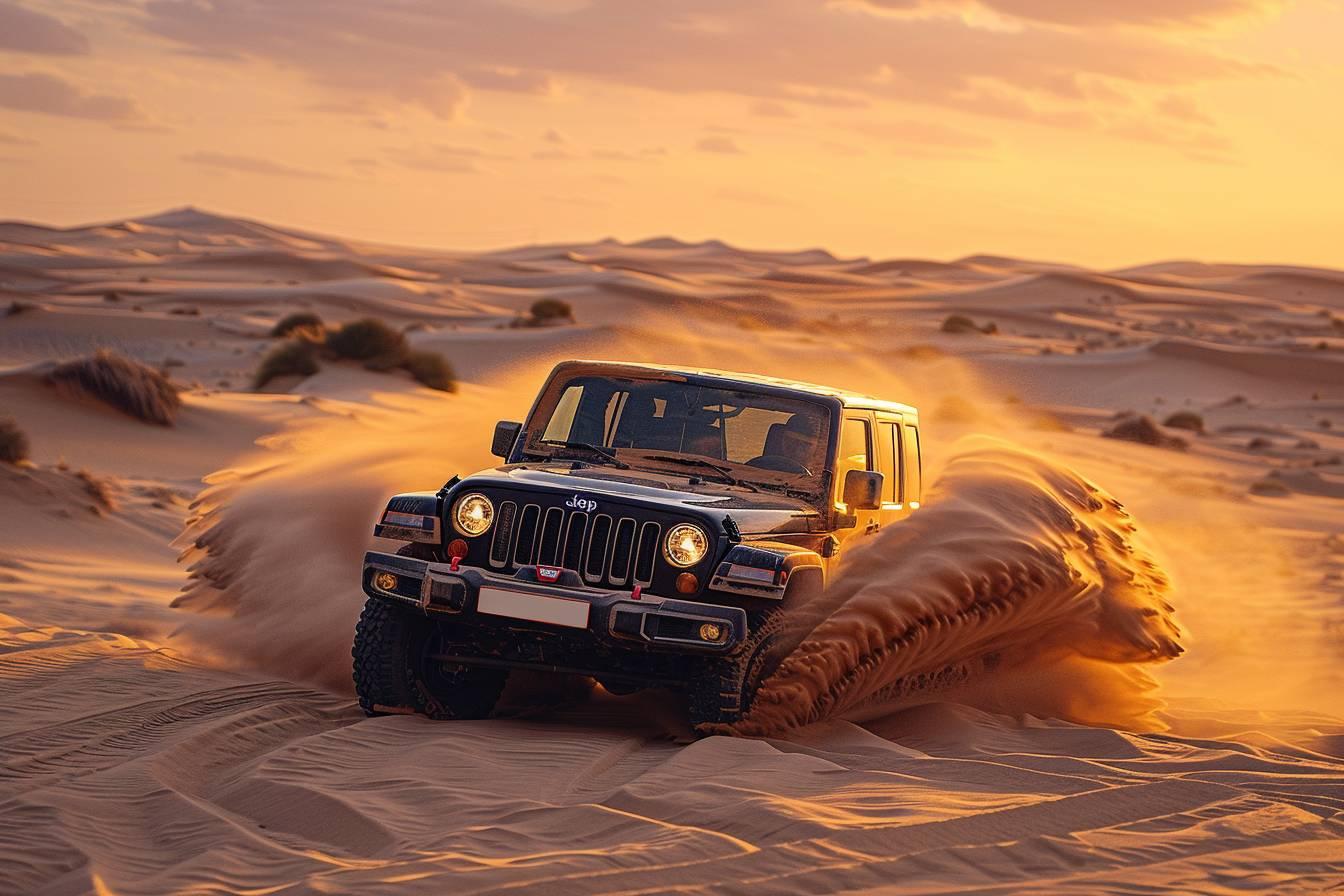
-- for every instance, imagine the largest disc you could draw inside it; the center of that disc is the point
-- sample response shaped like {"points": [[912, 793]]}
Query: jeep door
{"points": [[857, 451]]}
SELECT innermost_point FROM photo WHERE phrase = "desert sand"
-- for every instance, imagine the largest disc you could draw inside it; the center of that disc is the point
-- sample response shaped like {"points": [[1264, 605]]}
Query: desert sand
{"points": [[1175, 722]]}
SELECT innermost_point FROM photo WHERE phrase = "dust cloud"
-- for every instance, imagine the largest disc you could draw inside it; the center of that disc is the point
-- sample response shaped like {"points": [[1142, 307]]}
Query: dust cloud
{"points": [[1020, 586]]}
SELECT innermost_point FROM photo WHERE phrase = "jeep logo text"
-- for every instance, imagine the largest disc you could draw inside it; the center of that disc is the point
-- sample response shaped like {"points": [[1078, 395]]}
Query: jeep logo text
{"points": [[587, 505]]}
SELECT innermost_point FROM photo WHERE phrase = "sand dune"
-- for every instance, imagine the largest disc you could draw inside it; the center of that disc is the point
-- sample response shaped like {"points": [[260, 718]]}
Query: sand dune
{"points": [[213, 746]]}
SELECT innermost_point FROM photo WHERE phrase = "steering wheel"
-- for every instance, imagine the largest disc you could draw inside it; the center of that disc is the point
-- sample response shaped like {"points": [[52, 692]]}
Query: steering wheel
{"points": [[779, 463]]}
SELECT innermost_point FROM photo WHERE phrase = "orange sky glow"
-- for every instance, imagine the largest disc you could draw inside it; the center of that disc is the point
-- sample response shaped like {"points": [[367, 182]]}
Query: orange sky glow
{"points": [[1093, 131]]}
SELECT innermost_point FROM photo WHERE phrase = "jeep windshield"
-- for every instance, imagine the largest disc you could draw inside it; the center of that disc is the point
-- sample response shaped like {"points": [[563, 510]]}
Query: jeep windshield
{"points": [[728, 434]]}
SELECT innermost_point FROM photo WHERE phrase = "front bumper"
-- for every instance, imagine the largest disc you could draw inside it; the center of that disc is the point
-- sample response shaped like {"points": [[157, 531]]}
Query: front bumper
{"points": [[616, 619]]}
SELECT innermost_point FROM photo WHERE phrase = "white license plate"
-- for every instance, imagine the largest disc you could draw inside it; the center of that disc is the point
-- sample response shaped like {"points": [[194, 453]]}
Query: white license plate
{"points": [[533, 607]]}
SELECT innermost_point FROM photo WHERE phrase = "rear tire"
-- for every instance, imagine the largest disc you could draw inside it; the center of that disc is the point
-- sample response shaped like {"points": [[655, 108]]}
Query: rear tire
{"points": [[394, 671]]}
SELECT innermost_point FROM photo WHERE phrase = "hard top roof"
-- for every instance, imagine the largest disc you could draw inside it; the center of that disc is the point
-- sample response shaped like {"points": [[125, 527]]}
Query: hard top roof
{"points": [[849, 399]]}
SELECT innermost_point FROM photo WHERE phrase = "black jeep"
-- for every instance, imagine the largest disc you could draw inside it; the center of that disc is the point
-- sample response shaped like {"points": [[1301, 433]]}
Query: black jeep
{"points": [[649, 526]]}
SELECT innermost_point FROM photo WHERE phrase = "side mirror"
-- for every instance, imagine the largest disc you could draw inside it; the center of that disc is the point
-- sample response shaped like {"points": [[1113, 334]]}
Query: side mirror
{"points": [[863, 490], [506, 433]]}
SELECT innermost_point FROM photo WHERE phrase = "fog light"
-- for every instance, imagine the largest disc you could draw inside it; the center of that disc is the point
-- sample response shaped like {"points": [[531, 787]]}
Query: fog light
{"points": [[687, 583], [457, 548], [711, 632], [385, 581]]}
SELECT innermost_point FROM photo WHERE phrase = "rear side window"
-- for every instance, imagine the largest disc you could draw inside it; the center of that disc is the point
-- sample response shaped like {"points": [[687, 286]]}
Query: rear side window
{"points": [[892, 463], [914, 467]]}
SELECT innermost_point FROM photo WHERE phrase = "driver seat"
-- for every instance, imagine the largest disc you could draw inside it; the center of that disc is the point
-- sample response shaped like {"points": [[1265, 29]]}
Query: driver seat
{"points": [[794, 440]]}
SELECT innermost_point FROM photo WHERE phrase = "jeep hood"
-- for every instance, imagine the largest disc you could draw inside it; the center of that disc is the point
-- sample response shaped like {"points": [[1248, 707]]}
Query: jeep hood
{"points": [[755, 513]]}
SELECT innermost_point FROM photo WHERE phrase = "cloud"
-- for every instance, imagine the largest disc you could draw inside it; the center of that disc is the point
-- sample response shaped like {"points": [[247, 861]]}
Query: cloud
{"points": [[914, 134], [554, 137], [1183, 108], [26, 31], [509, 80], [771, 109], [50, 95], [1098, 12], [1130, 12], [251, 165], [722, 145], [12, 140], [832, 54]]}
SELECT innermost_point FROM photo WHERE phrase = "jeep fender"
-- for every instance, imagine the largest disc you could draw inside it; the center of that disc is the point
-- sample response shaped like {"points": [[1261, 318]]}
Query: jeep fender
{"points": [[413, 516], [765, 569]]}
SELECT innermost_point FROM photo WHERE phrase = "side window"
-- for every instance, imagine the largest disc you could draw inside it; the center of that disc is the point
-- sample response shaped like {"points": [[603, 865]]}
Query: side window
{"points": [[897, 464], [889, 457], [914, 467], [856, 447]]}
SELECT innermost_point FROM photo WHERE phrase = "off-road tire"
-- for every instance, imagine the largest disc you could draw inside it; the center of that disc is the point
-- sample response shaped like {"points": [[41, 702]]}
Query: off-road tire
{"points": [[381, 645], [393, 675], [725, 693]]}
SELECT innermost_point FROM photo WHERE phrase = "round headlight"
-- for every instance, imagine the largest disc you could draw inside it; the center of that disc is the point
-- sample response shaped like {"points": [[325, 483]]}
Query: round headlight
{"points": [[686, 545], [474, 514]]}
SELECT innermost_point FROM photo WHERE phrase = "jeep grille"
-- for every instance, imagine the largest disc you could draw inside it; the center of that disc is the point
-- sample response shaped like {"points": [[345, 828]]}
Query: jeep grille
{"points": [[605, 549]]}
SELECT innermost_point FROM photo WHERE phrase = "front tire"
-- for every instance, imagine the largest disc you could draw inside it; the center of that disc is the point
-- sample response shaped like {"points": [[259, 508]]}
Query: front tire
{"points": [[395, 671], [724, 695], [720, 698]]}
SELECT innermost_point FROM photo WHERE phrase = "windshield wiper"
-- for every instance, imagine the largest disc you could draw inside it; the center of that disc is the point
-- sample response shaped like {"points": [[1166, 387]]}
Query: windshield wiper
{"points": [[724, 472], [605, 453]]}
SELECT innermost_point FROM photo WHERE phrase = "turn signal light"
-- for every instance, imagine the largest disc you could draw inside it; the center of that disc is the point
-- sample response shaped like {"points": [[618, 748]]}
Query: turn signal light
{"points": [[385, 581], [711, 632], [687, 583]]}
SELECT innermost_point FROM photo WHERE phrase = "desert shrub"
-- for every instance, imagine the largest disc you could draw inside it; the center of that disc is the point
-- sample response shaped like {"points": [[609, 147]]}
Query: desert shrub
{"points": [[431, 369], [111, 296], [187, 312], [305, 321], [367, 339], [1144, 430], [294, 358], [13, 442], [1270, 488], [100, 490], [960, 323], [1185, 420], [546, 311], [127, 385], [18, 306]]}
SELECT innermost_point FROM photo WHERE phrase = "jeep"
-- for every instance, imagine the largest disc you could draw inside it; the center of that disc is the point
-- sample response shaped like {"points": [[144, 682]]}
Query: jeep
{"points": [[649, 527]]}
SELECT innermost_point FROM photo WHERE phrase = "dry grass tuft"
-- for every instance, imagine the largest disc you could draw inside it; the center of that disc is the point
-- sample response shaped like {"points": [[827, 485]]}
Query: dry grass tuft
{"points": [[1185, 420], [129, 386], [295, 358], [960, 323], [100, 490], [431, 369], [380, 347], [366, 339], [302, 323], [1145, 431], [13, 442]]}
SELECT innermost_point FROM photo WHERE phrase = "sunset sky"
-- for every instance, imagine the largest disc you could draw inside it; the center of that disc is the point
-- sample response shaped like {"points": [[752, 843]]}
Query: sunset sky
{"points": [[1095, 131]]}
